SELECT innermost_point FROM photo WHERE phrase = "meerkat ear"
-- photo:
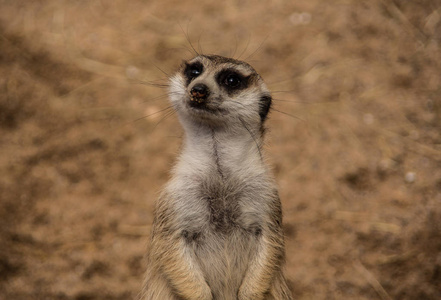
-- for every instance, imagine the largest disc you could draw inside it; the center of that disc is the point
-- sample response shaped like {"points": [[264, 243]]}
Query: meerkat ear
{"points": [[264, 106]]}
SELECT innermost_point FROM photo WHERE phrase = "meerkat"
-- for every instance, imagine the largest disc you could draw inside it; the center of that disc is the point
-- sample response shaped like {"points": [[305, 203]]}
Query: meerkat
{"points": [[217, 231]]}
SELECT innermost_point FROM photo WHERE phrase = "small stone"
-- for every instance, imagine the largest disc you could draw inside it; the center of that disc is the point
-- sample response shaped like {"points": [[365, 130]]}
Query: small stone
{"points": [[368, 119], [302, 18], [410, 177], [132, 72]]}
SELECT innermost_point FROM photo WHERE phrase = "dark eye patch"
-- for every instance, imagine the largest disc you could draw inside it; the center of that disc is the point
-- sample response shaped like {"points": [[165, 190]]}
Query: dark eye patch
{"points": [[192, 71], [232, 80]]}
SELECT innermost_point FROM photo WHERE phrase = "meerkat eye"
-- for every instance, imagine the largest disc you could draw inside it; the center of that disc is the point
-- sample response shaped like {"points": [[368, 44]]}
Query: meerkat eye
{"points": [[194, 70], [233, 81]]}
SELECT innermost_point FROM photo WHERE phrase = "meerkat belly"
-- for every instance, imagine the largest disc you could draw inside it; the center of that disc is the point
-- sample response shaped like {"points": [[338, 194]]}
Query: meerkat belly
{"points": [[224, 262], [224, 234], [223, 255]]}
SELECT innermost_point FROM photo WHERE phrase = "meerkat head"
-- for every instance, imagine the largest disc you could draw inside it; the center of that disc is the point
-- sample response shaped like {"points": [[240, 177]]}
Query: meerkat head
{"points": [[219, 91]]}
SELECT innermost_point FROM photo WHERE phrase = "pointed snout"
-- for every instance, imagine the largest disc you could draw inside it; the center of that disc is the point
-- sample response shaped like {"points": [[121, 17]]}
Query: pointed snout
{"points": [[199, 93]]}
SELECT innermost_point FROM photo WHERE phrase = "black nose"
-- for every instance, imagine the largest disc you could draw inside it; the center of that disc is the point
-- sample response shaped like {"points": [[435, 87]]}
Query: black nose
{"points": [[199, 93]]}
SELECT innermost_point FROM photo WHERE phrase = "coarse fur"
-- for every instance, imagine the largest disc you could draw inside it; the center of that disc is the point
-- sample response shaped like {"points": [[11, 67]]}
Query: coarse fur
{"points": [[217, 232]]}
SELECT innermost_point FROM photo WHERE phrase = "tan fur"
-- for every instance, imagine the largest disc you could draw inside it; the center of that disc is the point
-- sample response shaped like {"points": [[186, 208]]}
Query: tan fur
{"points": [[217, 232]]}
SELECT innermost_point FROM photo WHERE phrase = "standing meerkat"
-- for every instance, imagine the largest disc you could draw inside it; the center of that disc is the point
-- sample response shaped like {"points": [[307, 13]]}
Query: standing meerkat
{"points": [[217, 232]]}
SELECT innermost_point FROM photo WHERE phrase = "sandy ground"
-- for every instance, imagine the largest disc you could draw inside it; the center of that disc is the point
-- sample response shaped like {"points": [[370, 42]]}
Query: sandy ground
{"points": [[354, 138]]}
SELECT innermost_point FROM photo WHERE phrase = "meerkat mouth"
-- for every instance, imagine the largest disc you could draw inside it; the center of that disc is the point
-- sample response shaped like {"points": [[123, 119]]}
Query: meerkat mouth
{"points": [[203, 109], [198, 107], [196, 99], [198, 103]]}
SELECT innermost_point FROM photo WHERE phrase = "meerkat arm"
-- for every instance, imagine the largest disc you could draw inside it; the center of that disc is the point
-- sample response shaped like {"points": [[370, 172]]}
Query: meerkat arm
{"points": [[183, 273], [259, 276], [172, 256], [268, 258]]}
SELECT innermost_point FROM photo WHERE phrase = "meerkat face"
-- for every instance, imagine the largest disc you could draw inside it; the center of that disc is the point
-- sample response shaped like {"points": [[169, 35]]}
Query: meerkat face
{"points": [[219, 90]]}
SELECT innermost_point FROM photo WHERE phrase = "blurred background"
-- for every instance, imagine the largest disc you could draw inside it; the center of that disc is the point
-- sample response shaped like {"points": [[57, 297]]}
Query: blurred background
{"points": [[354, 138]]}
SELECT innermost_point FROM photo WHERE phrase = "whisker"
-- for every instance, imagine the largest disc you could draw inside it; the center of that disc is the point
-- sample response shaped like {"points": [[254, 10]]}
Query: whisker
{"points": [[187, 37], [287, 114], [283, 91], [150, 83], [258, 48], [235, 44], [165, 73], [302, 102], [199, 44], [246, 47], [291, 101], [162, 97], [293, 77], [168, 114], [155, 98], [152, 114], [279, 111]]}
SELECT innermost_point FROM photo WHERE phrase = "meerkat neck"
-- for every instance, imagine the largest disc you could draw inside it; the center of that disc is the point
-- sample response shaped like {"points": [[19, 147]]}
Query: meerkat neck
{"points": [[224, 151]]}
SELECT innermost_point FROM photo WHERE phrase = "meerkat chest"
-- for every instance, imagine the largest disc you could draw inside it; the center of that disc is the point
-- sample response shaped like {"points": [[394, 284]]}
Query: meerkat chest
{"points": [[223, 206]]}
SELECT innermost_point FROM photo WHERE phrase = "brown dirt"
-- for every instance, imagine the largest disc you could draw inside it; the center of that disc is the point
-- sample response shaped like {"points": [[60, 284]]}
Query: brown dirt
{"points": [[359, 164]]}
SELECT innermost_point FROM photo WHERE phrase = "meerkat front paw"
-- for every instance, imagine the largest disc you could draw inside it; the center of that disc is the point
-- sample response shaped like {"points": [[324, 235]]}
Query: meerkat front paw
{"points": [[206, 293], [201, 293], [245, 294]]}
